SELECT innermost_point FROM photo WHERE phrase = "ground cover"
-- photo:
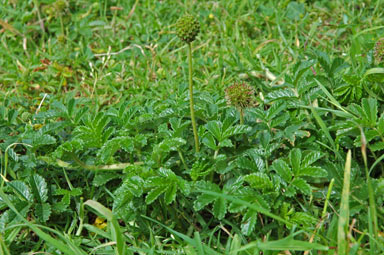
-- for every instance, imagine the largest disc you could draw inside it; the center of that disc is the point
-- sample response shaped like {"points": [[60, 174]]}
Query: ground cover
{"points": [[103, 150]]}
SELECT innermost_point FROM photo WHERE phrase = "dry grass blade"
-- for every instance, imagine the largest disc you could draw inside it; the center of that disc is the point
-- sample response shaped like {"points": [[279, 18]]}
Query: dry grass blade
{"points": [[342, 232]]}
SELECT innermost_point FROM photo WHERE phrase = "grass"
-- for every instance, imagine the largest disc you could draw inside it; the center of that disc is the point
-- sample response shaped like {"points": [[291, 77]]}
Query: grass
{"points": [[96, 126]]}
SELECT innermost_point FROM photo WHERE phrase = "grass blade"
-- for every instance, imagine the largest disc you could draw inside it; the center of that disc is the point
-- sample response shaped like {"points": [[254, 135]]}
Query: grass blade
{"points": [[116, 232], [56, 243], [342, 231]]}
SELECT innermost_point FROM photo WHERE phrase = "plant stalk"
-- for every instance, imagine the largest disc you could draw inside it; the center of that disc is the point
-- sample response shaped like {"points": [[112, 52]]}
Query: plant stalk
{"points": [[197, 148], [372, 216]]}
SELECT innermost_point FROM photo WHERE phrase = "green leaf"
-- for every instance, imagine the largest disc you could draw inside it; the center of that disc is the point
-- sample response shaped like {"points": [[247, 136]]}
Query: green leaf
{"points": [[378, 146], [43, 211], [246, 163], [39, 139], [295, 11], [259, 181], [302, 185], [202, 201], [275, 109], [249, 222], [111, 146], [290, 191], [369, 106], [170, 193], [312, 171], [209, 141], [287, 243], [219, 208], [161, 150], [295, 159], [304, 219], [311, 158], [280, 95], [225, 143], [21, 189], [154, 194], [102, 178], [205, 199], [39, 188], [282, 169], [235, 130], [215, 128], [375, 74]]}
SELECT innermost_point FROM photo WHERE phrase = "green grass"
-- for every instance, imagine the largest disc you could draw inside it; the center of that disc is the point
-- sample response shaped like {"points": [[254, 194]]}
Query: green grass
{"points": [[95, 123]]}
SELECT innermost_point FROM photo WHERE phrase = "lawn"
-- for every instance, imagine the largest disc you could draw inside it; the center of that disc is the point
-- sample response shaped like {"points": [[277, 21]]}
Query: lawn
{"points": [[191, 127]]}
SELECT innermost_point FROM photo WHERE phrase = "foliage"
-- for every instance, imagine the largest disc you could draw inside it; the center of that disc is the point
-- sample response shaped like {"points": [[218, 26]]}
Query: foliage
{"points": [[95, 126]]}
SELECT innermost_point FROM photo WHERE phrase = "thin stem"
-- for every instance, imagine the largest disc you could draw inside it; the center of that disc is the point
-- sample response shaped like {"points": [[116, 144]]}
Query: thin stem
{"points": [[191, 99], [241, 116], [81, 164], [372, 216], [242, 123]]}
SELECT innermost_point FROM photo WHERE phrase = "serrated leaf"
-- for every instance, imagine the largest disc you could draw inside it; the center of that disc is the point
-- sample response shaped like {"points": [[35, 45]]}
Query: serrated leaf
{"points": [[75, 192], [302, 185], [21, 189], [202, 201], [43, 211], [154, 194], [170, 193], [282, 169], [225, 143], [248, 223], [259, 181], [63, 204], [290, 191], [205, 199], [246, 163], [302, 218], [311, 158], [102, 178], [39, 188], [380, 124], [312, 171], [215, 128], [375, 74], [275, 109], [377, 146], [39, 139], [235, 130], [324, 61], [111, 146], [209, 141], [369, 106], [4, 220], [12, 154], [295, 159], [280, 95], [220, 208]]}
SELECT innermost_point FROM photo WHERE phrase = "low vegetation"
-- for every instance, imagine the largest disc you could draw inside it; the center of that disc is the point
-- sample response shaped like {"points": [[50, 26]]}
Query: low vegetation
{"points": [[191, 127]]}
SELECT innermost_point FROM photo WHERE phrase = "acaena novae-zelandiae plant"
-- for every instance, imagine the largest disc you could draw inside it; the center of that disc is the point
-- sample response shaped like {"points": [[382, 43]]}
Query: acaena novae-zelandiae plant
{"points": [[241, 96], [187, 28]]}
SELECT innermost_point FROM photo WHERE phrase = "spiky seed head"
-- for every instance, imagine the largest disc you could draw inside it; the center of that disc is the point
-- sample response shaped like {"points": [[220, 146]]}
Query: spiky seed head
{"points": [[379, 50], [187, 28], [240, 95]]}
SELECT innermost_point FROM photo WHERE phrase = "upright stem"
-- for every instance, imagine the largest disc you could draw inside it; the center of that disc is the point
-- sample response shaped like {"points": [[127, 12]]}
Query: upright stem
{"points": [[242, 123], [241, 116], [191, 99]]}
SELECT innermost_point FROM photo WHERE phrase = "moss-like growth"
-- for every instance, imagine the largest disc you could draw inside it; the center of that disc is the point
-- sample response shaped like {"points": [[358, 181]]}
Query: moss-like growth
{"points": [[187, 28]]}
